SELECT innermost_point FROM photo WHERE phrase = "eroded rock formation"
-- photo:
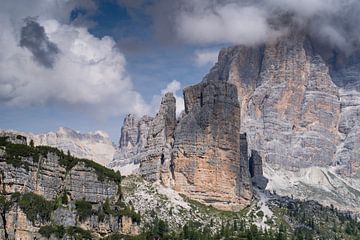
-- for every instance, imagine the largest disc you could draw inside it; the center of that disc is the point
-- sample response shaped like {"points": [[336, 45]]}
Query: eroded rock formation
{"points": [[156, 154], [134, 134], [297, 101], [206, 152], [60, 180]]}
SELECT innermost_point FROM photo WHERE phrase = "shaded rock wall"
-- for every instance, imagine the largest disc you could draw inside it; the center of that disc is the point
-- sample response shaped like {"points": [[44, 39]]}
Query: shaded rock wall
{"points": [[156, 154]]}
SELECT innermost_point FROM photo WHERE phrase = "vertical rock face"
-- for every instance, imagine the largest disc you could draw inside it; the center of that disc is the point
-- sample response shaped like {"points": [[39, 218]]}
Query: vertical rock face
{"points": [[255, 164], [129, 132], [348, 151], [300, 110], [156, 154], [207, 147], [199, 155], [291, 104], [52, 181], [133, 139], [297, 101]]}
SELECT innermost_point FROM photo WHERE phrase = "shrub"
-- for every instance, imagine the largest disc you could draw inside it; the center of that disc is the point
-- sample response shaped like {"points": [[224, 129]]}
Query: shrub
{"points": [[36, 207], [84, 209], [49, 230], [78, 233], [260, 214], [4, 204], [130, 212]]}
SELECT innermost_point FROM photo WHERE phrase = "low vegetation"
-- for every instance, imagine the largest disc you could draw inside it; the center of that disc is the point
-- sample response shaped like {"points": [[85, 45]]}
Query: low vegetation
{"points": [[16, 154], [59, 232], [84, 209], [36, 207]]}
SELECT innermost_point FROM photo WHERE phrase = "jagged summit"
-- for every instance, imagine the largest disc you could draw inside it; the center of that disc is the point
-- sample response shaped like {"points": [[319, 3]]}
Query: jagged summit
{"points": [[299, 104]]}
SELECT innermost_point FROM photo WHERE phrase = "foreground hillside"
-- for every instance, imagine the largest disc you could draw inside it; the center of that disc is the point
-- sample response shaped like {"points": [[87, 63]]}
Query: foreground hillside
{"points": [[47, 194]]}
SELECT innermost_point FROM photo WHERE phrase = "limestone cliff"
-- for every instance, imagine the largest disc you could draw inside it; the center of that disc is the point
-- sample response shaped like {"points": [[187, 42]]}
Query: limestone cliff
{"points": [[156, 155], [298, 102], [206, 155], [45, 192], [133, 139], [300, 110]]}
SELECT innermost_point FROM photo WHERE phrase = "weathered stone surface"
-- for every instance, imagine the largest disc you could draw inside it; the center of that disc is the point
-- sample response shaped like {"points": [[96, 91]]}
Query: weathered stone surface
{"points": [[255, 164], [132, 141], [13, 137], [207, 147], [49, 179], [300, 103], [348, 152], [156, 154]]}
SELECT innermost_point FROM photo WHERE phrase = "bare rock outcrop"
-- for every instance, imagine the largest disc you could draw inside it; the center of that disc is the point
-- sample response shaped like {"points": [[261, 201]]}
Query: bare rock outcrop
{"points": [[256, 170], [34, 178], [156, 154], [133, 138], [300, 107], [299, 104], [207, 147]]}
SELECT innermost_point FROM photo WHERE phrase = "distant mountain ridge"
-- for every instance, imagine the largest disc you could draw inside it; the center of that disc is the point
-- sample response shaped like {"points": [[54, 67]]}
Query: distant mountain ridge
{"points": [[96, 146]]}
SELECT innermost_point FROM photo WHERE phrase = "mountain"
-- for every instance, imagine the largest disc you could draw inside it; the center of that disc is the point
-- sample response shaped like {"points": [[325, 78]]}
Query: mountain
{"points": [[47, 194], [297, 101], [267, 131], [95, 146]]}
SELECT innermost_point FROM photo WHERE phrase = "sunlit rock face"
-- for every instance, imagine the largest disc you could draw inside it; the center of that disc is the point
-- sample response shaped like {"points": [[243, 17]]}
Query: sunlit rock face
{"points": [[298, 102], [206, 153], [301, 110], [291, 107], [48, 178]]}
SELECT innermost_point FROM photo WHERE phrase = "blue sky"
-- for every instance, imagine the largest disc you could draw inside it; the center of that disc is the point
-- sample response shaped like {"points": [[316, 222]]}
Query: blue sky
{"points": [[152, 63], [84, 64]]}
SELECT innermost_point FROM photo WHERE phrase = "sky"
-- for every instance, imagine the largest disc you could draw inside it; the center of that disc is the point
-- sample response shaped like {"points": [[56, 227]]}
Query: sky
{"points": [[84, 64]]}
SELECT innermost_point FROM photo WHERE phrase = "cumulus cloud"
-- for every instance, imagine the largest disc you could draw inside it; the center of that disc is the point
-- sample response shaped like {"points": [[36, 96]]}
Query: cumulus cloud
{"points": [[252, 22], [50, 60], [225, 23], [206, 57]]}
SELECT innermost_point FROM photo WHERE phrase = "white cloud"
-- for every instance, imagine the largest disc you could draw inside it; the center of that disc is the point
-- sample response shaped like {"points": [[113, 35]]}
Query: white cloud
{"points": [[89, 73], [206, 57], [253, 22], [228, 23]]}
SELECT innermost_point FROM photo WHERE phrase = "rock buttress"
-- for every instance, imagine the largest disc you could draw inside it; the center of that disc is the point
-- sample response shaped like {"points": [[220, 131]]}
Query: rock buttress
{"points": [[156, 154], [206, 155]]}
